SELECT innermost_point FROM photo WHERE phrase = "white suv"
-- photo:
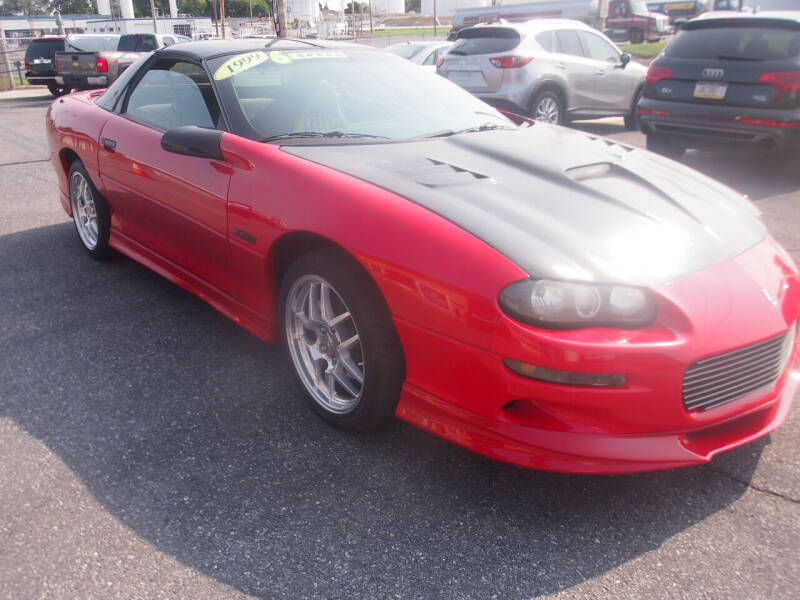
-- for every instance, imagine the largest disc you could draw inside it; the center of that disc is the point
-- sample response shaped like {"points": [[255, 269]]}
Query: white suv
{"points": [[553, 70]]}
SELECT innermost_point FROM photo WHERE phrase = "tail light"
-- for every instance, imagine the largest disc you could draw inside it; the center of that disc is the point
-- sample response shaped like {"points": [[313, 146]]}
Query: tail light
{"points": [[650, 111], [656, 74], [786, 81], [102, 64], [510, 61], [439, 61], [771, 123]]}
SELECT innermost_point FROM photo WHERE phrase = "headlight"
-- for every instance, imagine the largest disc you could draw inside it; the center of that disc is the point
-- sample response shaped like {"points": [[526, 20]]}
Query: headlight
{"points": [[564, 305]]}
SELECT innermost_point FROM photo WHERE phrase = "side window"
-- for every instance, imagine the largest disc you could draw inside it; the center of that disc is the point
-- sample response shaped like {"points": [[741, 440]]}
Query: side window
{"points": [[173, 94], [568, 42], [621, 9], [598, 48], [545, 40], [434, 56]]}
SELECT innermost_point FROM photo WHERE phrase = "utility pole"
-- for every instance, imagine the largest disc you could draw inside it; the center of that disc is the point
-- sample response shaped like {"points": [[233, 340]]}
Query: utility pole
{"points": [[153, 12], [222, 16], [59, 22], [370, 17], [6, 62], [434, 18], [280, 8], [214, 10]]}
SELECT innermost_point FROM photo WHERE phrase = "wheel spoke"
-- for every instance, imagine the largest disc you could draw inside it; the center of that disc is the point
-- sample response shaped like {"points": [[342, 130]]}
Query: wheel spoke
{"points": [[346, 383], [326, 308], [351, 367], [348, 343], [332, 323], [313, 301], [330, 382]]}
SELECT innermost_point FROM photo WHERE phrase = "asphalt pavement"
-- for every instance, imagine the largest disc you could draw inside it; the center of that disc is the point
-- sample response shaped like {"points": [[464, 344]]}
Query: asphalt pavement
{"points": [[150, 448]]}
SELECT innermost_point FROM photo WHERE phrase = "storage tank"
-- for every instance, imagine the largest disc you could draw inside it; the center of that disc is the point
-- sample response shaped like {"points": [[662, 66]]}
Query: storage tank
{"points": [[302, 10], [445, 8], [126, 9], [388, 7]]}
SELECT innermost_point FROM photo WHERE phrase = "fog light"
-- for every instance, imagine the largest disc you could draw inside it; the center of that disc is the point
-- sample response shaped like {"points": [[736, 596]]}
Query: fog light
{"points": [[565, 377]]}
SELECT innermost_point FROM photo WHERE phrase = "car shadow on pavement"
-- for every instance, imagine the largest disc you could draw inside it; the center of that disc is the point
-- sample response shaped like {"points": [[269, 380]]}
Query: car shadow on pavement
{"points": [[191, 433]]}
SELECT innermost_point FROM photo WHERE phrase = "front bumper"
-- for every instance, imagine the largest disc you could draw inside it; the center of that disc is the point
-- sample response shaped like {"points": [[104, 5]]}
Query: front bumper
{"points": [[475, 401], [708, 126]]}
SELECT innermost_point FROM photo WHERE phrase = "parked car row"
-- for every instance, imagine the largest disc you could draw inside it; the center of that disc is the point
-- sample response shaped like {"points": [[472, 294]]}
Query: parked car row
{"points": [[725, 78]]}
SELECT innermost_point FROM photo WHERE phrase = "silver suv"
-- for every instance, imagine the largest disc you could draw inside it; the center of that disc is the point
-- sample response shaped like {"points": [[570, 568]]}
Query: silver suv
{"points": [[553, 70]]}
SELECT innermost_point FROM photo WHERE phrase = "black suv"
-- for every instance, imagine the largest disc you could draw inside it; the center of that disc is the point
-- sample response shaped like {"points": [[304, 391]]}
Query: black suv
{"points": [[40, 66], [726, 79]]}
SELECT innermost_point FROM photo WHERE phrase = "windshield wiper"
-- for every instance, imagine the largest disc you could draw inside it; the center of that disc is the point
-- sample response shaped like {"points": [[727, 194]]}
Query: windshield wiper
{"points": [[745, 58], [484, 127], [320, 134]]}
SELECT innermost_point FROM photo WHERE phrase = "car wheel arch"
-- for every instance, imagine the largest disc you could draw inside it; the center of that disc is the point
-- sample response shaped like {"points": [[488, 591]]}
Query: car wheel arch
{"points": [[66, 157], [548, 85]]}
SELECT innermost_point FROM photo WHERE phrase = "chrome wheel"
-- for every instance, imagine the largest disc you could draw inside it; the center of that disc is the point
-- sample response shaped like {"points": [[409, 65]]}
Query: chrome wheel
{"points": [[84, 210], [324, 344], [547, 109]]}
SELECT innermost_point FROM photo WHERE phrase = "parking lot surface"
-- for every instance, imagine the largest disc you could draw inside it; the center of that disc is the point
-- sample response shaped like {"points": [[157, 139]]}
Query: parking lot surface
{"points": [[150, 448]]}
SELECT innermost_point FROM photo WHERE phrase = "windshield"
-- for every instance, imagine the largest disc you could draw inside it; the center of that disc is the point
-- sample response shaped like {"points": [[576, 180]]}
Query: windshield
{"points": [[342, 93], [405, 50], [136, 43]]}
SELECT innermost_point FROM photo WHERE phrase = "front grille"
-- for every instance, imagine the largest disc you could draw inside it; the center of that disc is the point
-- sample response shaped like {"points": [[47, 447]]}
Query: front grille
{"points": [[718, 379]]}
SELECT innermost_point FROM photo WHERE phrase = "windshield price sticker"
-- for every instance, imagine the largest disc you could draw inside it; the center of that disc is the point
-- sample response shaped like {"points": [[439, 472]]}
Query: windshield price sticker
{"points": [[240, 63], [280, 58]]}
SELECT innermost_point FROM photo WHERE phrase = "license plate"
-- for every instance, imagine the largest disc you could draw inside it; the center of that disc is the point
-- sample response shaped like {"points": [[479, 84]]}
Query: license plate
{"points": [[468, 78], [40, 61], [710, 89]]}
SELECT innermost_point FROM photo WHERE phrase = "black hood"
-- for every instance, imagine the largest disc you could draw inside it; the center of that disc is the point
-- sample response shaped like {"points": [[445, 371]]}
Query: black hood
{"points": [[562, 204]]}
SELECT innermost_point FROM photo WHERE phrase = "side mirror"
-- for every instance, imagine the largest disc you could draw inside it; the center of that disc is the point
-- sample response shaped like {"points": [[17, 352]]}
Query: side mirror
{"points": [[193, 141], [625, 59]]}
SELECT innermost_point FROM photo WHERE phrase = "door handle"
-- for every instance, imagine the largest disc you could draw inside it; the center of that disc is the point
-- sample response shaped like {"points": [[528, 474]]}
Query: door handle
{"points": [[561, 65], [600, 72], [109, 145]]}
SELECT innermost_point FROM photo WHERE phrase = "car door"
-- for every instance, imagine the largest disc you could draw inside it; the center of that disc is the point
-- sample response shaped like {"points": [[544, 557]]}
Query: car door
{"points": [[171, 204], [578, 70], [614, 86]]}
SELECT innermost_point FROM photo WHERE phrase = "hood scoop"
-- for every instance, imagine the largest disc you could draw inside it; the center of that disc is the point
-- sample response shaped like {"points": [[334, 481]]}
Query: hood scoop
{"points": [[438, 174], [617, 184]]}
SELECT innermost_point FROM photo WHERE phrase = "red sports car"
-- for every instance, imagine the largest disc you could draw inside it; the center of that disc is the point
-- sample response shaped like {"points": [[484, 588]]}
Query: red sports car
{"points": [[536, 294]]}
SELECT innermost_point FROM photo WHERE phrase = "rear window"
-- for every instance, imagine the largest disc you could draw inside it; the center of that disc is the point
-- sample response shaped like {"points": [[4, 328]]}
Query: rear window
{"points": [[91, 44], [485, 40], [736, 43], [136, 43], [43, 49]]}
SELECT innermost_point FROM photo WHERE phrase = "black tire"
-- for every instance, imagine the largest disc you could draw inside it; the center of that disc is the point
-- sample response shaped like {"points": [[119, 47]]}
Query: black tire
{"points": [[89, 213], [632, 118], [664, 147], [382, 360], [58, 90], [548, 106], [637, 36]]}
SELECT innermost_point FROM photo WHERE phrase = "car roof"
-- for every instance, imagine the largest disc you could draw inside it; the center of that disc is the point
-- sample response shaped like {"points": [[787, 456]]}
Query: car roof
{"points": [[536, 25], [209, 48], [722, 17]]}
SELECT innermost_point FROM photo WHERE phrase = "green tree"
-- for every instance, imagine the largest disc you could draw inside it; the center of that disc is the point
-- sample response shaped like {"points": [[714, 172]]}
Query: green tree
{"points": [[74, 7], [24, 7], [360, 7], [415, 5]]}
